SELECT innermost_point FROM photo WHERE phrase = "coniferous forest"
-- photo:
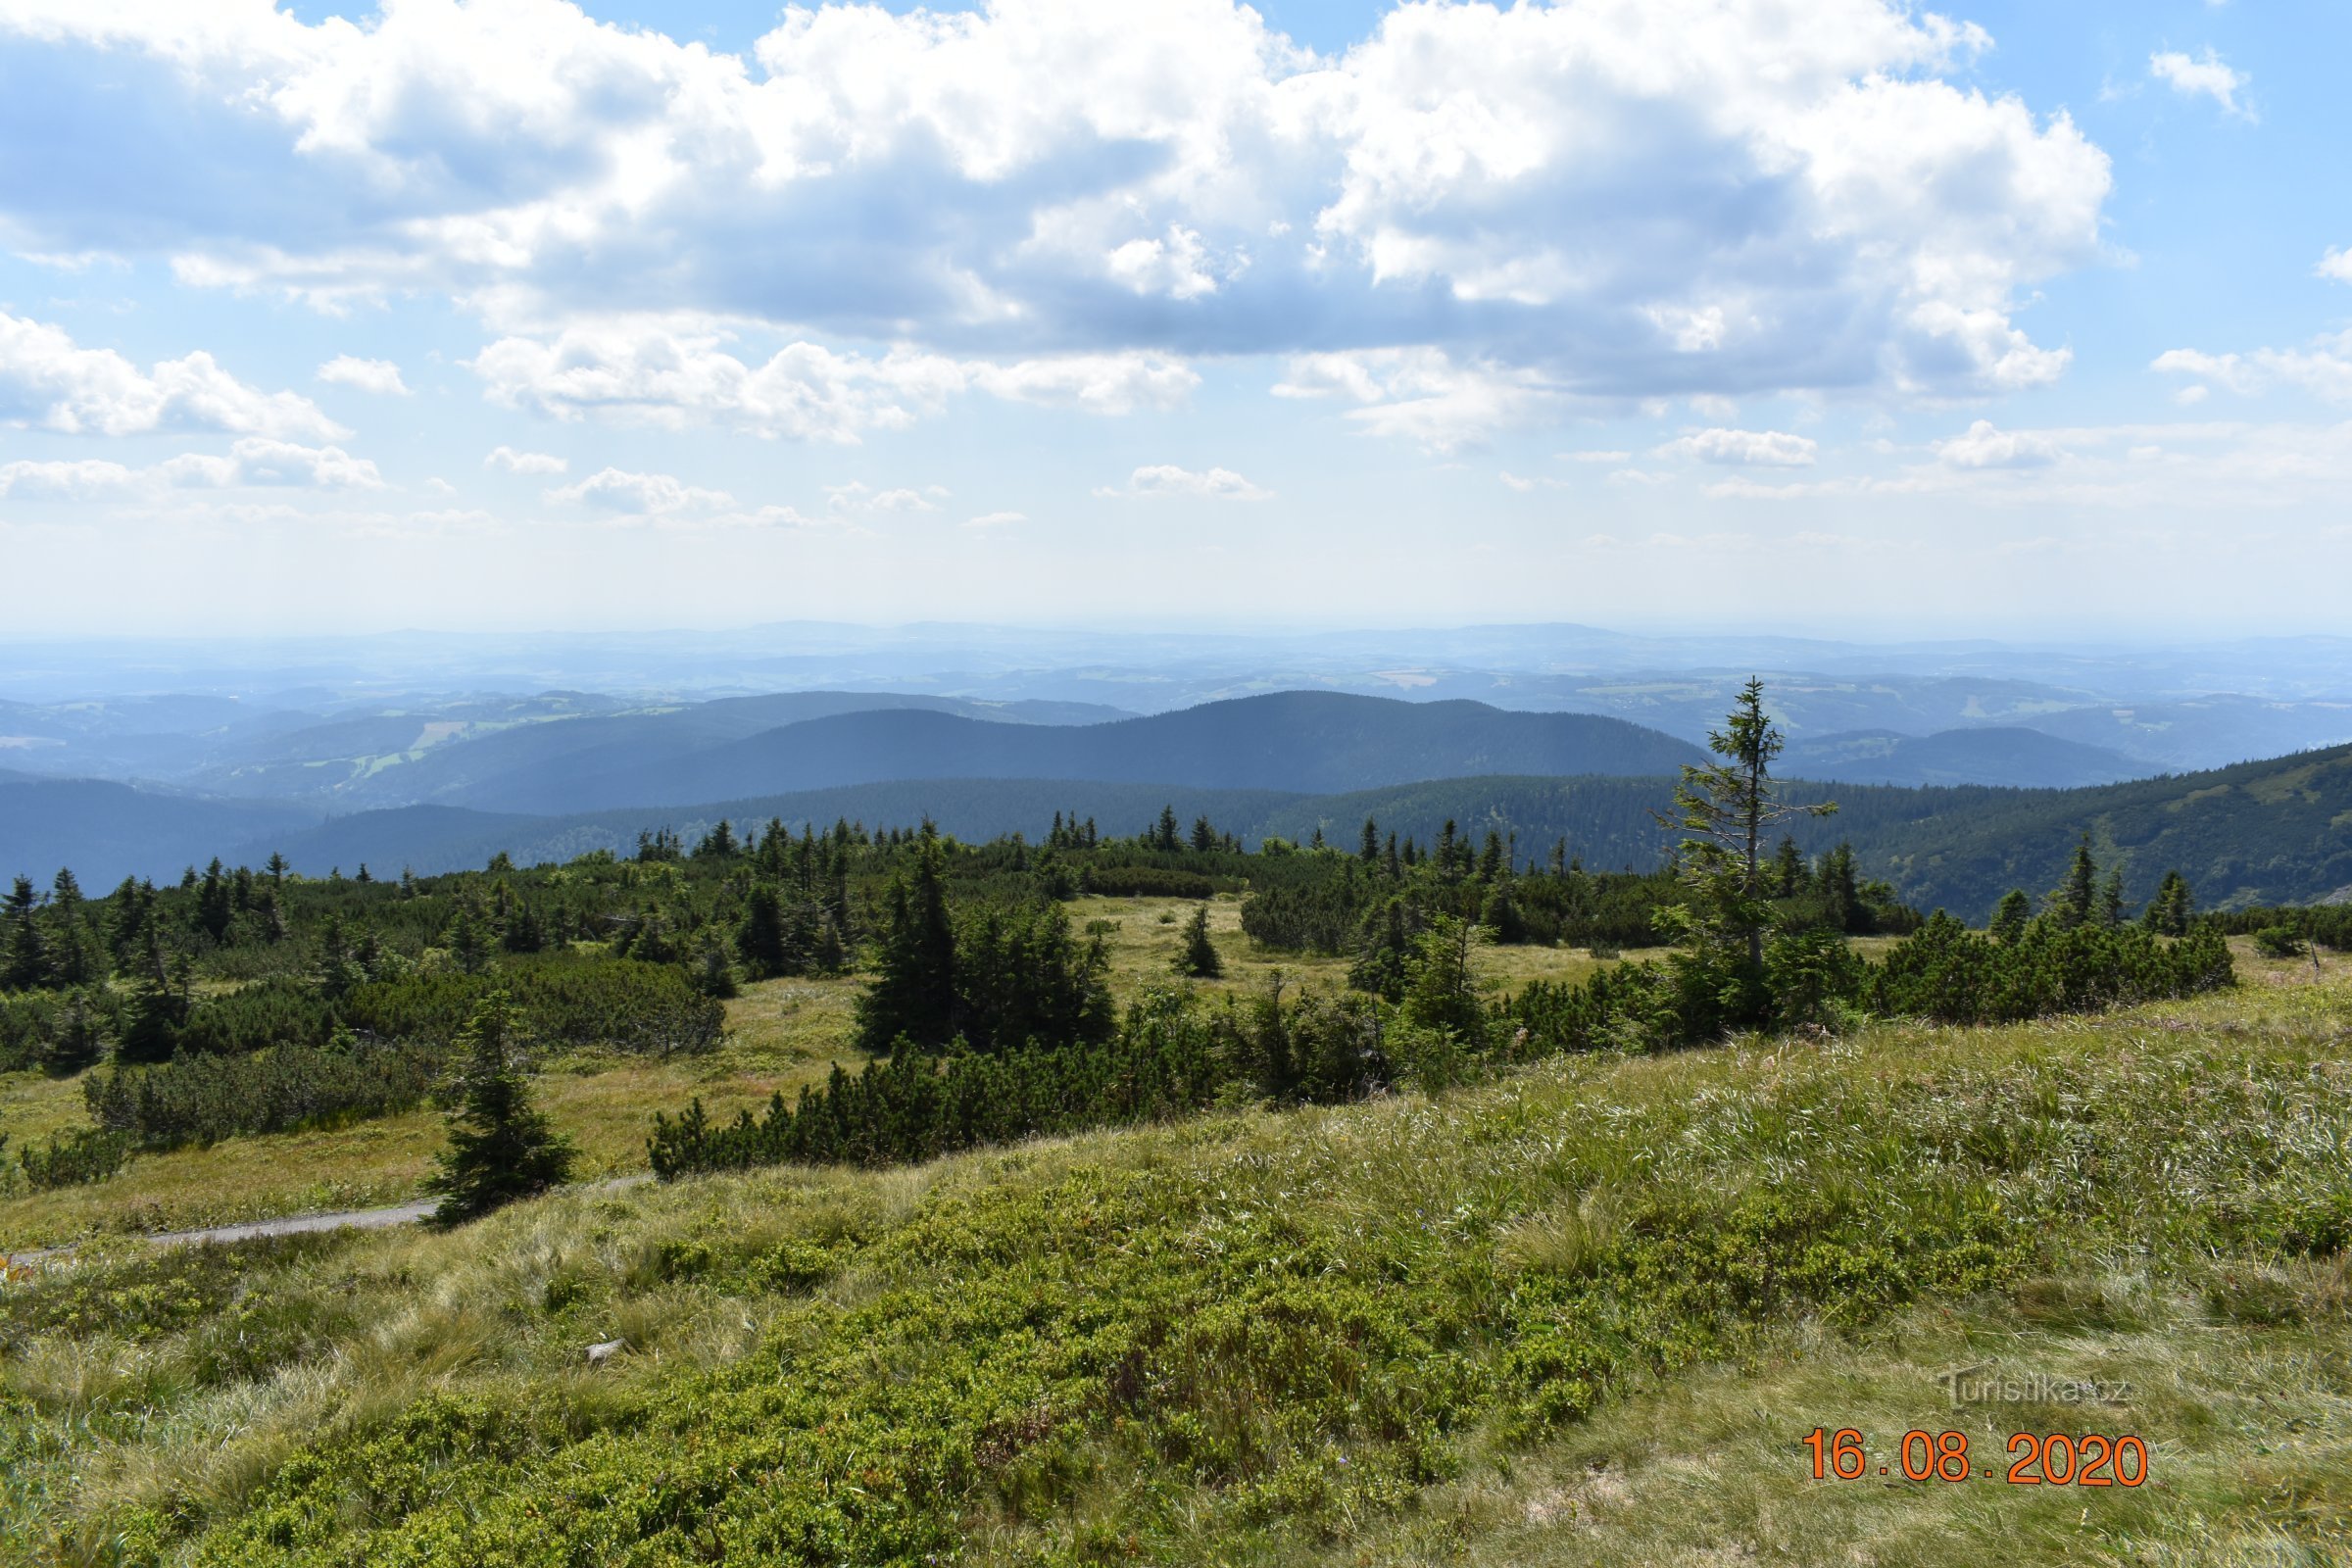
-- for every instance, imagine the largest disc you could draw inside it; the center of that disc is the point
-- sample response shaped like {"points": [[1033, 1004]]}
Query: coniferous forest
{"points": [[245, 1000]]}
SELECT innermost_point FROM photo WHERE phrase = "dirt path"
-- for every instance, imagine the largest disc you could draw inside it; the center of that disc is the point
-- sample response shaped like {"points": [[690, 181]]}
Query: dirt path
{"points": [[349, 1219]]}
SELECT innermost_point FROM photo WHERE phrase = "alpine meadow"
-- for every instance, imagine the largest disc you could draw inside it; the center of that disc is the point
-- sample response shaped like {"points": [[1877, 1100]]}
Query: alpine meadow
{"points": [[1312, 784]]}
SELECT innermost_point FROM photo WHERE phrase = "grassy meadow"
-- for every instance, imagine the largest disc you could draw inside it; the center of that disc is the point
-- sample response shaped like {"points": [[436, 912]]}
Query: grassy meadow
{"points": [[1582, 1313], [780, 1035]]}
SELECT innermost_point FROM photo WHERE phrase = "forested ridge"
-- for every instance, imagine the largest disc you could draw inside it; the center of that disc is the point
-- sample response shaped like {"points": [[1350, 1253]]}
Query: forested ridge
{"points": [[239, 1001]]}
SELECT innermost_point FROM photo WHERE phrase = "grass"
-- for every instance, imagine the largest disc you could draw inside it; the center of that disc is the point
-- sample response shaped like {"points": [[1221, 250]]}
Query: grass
{"points": [[1579, 1315], [780, 1035]]}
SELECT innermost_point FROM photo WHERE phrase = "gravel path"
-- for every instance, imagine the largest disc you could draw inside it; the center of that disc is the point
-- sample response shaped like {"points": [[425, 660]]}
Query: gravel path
{"points": [[349, 1219]]}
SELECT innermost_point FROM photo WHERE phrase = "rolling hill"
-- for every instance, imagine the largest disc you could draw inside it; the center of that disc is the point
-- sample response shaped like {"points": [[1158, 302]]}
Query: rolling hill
{"points": [[2275, 832], [1997, 754], [1304, 742], [107, 831]]}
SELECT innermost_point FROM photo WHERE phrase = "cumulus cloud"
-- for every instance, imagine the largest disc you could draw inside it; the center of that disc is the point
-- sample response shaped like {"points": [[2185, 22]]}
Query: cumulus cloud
{"points": [[254, 461], [381, 376], [1768, 449], [2206, 78], [673, 373], [73, 481], [49, 382], [2324, 369], [995, 519], [257, 460], [639, 495], [1624, 198], [861, 498], [1423, 395], [1985, 447], [513, 461], [1167, 479], [2336, 264]]}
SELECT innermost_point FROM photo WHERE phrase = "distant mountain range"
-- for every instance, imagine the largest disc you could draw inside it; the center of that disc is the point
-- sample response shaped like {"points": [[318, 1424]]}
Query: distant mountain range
{"points": [[2024, 758], [2275, 832], [1304, 742], [553, 776]]}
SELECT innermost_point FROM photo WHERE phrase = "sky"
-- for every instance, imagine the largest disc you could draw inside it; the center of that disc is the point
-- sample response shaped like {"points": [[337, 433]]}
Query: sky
{"points": [[1824, 316]]}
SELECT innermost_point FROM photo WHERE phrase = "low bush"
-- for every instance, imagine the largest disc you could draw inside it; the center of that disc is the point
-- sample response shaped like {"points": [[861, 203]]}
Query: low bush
{"points": [[75, 1158], [202, 1099], [2278, 942], [566, 1001]]}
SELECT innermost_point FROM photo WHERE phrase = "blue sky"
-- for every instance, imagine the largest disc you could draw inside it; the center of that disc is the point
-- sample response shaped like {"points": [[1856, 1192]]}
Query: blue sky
{"points": [[2006, 319]]}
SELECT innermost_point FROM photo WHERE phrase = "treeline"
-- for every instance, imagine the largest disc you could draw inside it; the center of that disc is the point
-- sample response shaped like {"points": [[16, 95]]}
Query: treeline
{"points": [[1370, 904], [1763, 944], [1175, 1055]]}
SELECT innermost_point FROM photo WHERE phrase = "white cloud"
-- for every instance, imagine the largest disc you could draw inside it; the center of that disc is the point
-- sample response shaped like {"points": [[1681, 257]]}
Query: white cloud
{"points": [[381, 376], [75, 480], [1985, 447], [995, 519], [2206, 78], [2324, 369], [48, 382], [513, 461], [254, 461], [861, 498], [673, 373], [1422, 394], [2336, 264], [1167, 479], [260, 461], [1594, 456], [1770, 449], [1818, 209], [640, 495]]}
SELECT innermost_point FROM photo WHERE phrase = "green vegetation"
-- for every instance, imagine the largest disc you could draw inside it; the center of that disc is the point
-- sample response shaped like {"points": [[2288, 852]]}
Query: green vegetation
{"points": [[1305, 1227], [1508, 1324], [501, 1147]]}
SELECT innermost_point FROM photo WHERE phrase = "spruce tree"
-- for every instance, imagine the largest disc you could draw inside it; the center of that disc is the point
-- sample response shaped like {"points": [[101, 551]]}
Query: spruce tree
{"points": [[2111, 898], [28, 963], [760, 939], [501, 1147], [2075, 898], [1787, 869], [1369, 851], [1724, 809], [1198, 956], [915, 987], [2010, 917]]}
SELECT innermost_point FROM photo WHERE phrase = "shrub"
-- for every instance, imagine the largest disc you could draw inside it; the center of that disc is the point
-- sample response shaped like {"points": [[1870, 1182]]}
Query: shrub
{"points": [[574, 1002], [74, 1158], [2278, 942], [275, 1012], [201, 1100], [1148, 882]]}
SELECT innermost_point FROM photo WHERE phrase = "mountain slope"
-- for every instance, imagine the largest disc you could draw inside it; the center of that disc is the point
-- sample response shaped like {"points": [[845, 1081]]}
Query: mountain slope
{"points": [[2010, 757], [108, 831], [1296, 740], [470, 754]]}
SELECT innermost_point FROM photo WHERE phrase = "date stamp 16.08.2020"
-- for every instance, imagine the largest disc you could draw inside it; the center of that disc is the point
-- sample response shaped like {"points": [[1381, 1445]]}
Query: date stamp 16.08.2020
{"points": [[2030, 1458]]}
